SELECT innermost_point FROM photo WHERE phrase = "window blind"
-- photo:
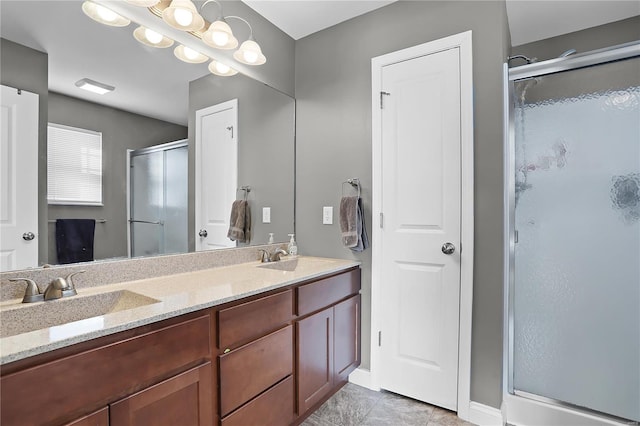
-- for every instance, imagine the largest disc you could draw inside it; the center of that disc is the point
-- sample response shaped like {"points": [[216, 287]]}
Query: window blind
{"points": [[74, 166]]}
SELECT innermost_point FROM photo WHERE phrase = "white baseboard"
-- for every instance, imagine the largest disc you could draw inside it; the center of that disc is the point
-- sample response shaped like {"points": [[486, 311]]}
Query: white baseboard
{"points": [[362, 377], [484, 415]]}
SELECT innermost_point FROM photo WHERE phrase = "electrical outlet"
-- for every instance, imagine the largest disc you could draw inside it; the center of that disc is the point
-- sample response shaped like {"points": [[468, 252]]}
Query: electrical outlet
{"points": [[266, 215], [327, 215]]}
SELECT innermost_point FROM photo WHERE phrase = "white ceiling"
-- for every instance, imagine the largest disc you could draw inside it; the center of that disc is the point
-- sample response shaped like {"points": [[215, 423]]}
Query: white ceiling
{"points": [[155, 83], [299, 18]]}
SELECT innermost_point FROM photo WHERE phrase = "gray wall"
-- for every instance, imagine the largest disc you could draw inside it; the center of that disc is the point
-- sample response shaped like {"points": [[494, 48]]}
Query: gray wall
{"points": [[121, 130], [598, 37], [28, 69], [266, 129], [333, 94]]}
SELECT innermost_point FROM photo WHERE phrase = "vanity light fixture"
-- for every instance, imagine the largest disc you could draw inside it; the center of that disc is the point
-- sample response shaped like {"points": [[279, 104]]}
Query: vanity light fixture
{"points": [[183, 15], [189, 55], [143, 3], [94, 86], [151, 38], [224, 70], [101, 14]]}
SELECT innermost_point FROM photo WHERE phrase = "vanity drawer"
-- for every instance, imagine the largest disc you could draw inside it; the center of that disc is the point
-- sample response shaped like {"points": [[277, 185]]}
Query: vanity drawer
{"points": [[251, 369], [322, 293], [250, 320], [273, 408]]}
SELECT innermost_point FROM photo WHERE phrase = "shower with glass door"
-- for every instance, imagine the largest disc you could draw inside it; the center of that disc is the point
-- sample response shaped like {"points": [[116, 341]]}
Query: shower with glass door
{"points": [[572, 239], [158, 199]]}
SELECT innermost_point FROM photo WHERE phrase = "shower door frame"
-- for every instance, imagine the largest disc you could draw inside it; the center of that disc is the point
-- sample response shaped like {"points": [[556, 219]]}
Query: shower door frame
{"points": [[518, 406]]}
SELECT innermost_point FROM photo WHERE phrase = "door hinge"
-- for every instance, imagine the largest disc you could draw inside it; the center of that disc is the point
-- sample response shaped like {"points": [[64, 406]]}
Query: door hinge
{"points": [[515, 237], [379, 338], [382, 95], [381, 220]]}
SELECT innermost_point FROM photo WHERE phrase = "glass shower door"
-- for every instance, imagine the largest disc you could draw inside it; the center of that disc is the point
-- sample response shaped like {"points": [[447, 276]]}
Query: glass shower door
{"points": [[158, 200], [576, 289]]}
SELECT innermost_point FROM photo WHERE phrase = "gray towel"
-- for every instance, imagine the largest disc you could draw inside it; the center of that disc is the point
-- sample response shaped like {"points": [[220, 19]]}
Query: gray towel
{"points": [[240, 222], [349, 221], [354, 231]]}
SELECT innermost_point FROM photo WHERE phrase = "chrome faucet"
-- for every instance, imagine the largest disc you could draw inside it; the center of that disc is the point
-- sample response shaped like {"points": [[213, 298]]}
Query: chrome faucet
{"points": [[57, 289], [265, 256]]}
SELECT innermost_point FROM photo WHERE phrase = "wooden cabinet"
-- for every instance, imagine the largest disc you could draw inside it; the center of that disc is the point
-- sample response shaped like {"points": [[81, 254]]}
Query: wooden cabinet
{"points": [[314, 358], [328, 340], [184, 399], [346, 320]]}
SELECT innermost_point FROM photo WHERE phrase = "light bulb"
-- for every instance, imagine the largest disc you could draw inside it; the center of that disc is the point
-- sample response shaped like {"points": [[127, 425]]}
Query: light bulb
{"points": [[220, 38], [152, 36], [106, 14], [190, 53], [250, 56], [222, 68], [183, 17]]}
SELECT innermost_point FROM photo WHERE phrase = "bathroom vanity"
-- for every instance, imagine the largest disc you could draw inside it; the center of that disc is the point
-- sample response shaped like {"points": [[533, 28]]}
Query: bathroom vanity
{"points": [[248, 344]]}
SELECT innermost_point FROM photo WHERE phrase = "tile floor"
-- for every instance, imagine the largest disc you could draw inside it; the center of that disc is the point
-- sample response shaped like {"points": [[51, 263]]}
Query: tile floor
{"points": [[357, 406]]}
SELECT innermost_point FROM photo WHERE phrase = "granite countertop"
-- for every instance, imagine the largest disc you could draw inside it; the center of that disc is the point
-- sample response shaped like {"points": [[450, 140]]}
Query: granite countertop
{"points": [[176, 295]]}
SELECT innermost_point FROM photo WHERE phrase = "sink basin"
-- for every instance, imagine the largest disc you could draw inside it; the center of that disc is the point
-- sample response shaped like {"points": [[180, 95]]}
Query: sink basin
{"points": [[281, 265], [40, 315]]}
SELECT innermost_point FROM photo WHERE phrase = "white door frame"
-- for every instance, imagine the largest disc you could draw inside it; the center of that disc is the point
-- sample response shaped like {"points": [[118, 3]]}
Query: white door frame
{"points": [[463, 42], [231, 104]]}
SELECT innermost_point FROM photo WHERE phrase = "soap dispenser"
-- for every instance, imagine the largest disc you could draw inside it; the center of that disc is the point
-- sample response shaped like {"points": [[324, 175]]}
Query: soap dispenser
{"points": [[293, 247]]}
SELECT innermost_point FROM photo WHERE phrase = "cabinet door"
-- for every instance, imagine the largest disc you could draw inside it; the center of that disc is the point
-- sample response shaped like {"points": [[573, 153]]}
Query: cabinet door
{"points": [[314, 358], [184, 400], [98, 418], [346, 325]]}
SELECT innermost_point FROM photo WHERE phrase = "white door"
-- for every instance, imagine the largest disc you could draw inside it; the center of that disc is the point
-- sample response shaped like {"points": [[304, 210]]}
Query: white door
{"points": [[216, 173], [421, 200], [18, 185]]}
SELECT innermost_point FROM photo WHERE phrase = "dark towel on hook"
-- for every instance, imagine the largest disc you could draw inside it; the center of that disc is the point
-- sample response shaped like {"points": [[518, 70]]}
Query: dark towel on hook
{"points": [[240, 222], [74, 240]]}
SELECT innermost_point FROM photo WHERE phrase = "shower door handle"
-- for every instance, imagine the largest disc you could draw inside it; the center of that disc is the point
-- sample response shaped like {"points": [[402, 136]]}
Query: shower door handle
{"points": [[448, 248]]}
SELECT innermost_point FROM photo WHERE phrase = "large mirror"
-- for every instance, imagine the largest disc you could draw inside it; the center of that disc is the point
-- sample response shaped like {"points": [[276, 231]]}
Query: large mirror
{"points": [[49, 45]]}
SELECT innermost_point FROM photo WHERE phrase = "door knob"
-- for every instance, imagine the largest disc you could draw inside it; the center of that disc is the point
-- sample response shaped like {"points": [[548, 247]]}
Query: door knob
{"points": [[28, 236], [448, 248], [203, 233]]}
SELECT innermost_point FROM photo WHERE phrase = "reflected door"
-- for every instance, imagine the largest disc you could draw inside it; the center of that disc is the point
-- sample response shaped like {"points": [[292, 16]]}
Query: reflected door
{"points": [[577, 257], [158, 200], [216, 173], [18, 185]]}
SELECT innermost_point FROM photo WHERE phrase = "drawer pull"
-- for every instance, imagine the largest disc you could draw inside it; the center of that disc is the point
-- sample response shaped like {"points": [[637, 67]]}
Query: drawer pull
{"points": [[226, 351]]}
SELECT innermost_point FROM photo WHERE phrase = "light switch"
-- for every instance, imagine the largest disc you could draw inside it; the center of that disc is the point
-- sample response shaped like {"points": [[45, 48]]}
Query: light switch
{"points": [[327, 215], [266, 215]]}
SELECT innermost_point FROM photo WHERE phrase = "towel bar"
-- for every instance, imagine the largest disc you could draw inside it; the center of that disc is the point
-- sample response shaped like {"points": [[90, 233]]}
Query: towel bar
{"points": [[354, 182], [97, 221]]}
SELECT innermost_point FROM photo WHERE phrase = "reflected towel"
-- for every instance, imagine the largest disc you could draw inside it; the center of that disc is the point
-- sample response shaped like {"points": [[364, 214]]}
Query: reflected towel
{"points": [[240, 222], [74, 240]]}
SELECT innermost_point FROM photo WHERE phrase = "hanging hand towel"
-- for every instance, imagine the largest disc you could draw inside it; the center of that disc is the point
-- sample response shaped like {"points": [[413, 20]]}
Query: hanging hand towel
{"points": [[240, 222], [349, 221], [363, 238], [74, 240]]}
